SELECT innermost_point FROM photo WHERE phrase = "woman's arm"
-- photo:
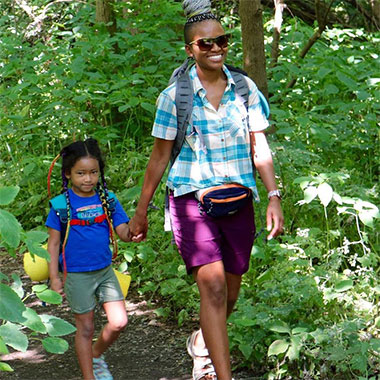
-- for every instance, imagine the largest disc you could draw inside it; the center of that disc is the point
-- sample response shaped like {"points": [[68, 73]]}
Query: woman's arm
{"points": [[262, 159], [53, 247], [157, 164]]}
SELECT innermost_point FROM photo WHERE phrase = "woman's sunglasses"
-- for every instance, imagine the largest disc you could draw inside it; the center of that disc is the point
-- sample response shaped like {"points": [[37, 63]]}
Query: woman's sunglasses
{"points": [[206, 44]]}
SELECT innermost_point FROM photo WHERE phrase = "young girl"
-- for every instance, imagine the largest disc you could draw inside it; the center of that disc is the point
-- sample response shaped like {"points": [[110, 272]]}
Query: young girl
{"points": [[87, 215], [216, 152]]}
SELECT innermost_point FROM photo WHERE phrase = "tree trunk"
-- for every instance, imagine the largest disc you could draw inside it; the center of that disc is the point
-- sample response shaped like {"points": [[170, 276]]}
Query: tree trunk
{"points": [[105, 13], [253, 42]]}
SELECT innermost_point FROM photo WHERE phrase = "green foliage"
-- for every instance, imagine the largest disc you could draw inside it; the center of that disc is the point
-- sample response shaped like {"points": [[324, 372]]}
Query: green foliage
{"points": [[309, 304], [20, 323]]}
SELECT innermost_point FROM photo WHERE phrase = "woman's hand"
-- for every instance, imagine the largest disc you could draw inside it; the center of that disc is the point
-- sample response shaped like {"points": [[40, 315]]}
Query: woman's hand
{"points": [[275, 218]]}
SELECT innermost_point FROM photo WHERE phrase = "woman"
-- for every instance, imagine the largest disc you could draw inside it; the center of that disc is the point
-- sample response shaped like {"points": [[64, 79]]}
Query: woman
{"points": [[217, 150]]}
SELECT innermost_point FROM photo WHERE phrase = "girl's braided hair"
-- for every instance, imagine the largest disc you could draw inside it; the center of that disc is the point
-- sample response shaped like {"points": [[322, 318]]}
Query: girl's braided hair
{"points": [[74, 152], [196, 11], [70, 155]]}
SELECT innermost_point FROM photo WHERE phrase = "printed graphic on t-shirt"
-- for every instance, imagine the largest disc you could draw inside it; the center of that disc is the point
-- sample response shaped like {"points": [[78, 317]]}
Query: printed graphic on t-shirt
{"points": [[89, 212]]}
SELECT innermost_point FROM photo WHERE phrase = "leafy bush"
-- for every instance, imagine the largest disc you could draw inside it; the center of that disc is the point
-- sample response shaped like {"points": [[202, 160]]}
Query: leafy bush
{"points": [[21, 323]]}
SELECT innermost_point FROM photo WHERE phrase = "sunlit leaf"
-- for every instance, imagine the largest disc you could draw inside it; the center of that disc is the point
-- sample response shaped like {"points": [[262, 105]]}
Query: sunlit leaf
{"points": [[310, 193], [56, 326], [11, 306], [325, 193], [8, 194], [344, 285], [280, 327], [9, 228], [55, 345], [5, 367], [278, 347], [14, 337]]}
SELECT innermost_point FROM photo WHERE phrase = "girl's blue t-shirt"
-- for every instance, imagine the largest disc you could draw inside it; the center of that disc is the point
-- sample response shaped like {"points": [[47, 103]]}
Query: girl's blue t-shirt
{"points": [[87, 248]]}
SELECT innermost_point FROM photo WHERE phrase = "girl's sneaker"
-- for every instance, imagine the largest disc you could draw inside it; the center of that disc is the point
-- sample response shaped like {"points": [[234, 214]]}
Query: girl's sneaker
{"points": [[100, 368]]}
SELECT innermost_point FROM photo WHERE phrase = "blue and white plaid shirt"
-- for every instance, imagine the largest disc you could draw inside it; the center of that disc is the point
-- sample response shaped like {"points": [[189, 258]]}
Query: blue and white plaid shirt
{"points": [[217, 145]]}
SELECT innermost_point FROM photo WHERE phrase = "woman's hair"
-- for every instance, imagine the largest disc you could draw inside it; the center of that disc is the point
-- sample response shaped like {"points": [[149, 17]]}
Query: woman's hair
{"points": [[196, 11]]}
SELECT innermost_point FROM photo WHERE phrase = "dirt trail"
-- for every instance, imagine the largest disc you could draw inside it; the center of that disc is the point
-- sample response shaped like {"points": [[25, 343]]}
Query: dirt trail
{"points": [[148, 349]]}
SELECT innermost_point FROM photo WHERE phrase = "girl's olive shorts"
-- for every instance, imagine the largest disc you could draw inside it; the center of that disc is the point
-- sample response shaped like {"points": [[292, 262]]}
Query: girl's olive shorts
{"points": [[84, 289]]}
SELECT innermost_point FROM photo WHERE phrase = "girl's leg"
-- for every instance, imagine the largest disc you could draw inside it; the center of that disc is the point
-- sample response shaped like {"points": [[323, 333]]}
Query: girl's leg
{"points": [[117, 320], [212, 284], [83, 343]]}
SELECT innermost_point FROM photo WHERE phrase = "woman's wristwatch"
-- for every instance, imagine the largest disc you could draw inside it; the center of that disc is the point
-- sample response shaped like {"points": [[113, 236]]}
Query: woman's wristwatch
{"points": [[274, 193]]}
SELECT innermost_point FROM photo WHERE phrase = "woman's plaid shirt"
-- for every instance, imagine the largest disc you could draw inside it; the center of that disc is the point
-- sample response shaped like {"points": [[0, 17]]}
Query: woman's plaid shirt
{"points": [[217, 146]]}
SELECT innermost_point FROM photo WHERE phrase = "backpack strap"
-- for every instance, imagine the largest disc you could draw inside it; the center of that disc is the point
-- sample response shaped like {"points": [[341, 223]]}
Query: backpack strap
{"points": [[111, 202]]}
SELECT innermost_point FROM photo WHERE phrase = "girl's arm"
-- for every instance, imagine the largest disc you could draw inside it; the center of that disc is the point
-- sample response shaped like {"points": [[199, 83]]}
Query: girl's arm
{"points": [[123, 232], [54, 243], [264, 165]]}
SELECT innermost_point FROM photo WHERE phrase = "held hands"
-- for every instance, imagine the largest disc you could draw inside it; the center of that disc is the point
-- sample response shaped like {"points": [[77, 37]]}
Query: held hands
{"points": [[275, 218], [138, 227]]}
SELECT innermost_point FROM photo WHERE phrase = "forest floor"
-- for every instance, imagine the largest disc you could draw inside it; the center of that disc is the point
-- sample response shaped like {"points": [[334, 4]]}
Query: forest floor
{"points": [[148, 349]]}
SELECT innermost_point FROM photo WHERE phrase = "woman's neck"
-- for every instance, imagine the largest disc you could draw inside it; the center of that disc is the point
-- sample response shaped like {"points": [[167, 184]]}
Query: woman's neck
{"points": [[210, 76]]}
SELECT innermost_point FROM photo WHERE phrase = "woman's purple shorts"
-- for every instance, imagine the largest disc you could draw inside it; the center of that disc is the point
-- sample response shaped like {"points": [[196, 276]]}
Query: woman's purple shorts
{"points": [[202, 239]]}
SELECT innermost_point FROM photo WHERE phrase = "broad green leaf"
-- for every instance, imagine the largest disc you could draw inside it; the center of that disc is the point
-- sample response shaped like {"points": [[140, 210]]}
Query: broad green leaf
{"points": [[124, 107], [337, 198], [331, 89], [14, 337], [246, 349], [258, 252], [351, 84], [50, 296], [37, 236], [295, 348], [310, 193], [17, 285], [299, 330], [131, 193], [8, 194], [33, 321], [5, 367], [11, 306], [35, 248], [55, 345], [322, 72], [344, 285], [325, 193], [320, 336], [56, 326], [278, 347], [245, 322], [280, 327], [9, 228], [366, 217], [3, 347], [39, 288], [375, 344], [149, 107]]}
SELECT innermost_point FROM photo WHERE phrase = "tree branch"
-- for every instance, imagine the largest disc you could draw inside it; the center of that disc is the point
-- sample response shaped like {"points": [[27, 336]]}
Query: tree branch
{"points": [[322, 22], [279, 9]]}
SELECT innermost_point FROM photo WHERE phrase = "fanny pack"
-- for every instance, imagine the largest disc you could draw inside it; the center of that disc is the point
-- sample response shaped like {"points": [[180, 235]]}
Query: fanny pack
{"points": [[222, 200]]}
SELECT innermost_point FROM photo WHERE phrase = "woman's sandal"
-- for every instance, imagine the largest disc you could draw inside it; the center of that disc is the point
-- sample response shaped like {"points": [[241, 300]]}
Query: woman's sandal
{"points": [[202, 364]]}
